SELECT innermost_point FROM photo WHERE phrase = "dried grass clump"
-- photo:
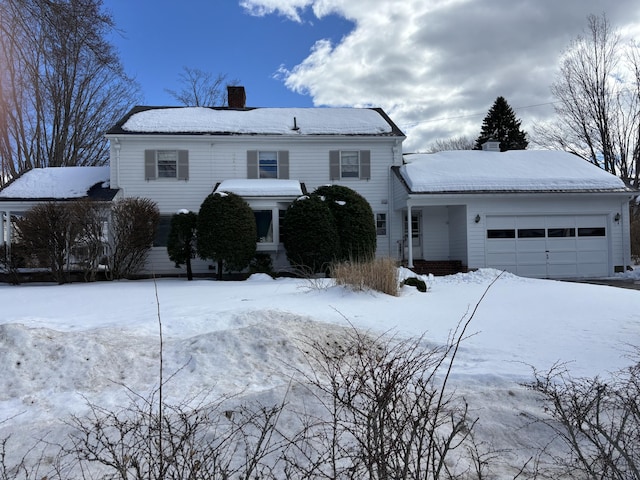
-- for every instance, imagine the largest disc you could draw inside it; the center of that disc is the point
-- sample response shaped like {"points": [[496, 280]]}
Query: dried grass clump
{"points": [[380, 274]]}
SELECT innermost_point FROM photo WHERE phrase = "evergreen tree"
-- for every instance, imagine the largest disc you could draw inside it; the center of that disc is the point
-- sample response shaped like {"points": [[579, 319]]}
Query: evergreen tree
{"points": [[354, 221], [501, 125], [226, 231], [312, 240], [181, 245]]}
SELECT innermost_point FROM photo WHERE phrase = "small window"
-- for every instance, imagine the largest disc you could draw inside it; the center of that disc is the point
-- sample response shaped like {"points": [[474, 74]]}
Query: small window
{"points": [[501, 233], [167, 163], [162, 232], [268, 164], [561, 232], [592, 232], [264, 226], [381, 223], [531, 233], [350, 164]]}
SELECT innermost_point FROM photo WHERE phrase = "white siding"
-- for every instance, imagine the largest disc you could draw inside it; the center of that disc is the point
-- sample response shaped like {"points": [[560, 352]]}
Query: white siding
{"points": [[213, 159], [458, 233]]}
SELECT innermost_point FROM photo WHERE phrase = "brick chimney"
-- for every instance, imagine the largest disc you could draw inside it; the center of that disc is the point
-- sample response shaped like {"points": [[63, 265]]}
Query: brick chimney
{"points": [[237, 98]]}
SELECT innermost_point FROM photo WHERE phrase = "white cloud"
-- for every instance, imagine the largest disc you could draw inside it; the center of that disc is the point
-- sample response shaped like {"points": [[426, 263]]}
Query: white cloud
{"points": [[437, 66]]}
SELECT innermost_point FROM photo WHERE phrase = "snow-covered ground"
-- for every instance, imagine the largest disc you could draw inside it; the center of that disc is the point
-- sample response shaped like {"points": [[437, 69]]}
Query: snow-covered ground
{"points": [[63, 345]]}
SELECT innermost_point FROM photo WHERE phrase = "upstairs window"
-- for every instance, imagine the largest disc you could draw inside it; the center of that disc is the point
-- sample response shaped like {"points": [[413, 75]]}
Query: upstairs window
{"points": [[166, 164], [268, 164], [350, 164]]}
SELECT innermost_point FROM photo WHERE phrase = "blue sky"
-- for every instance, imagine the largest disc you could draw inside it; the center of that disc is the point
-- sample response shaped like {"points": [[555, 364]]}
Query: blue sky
{"points": [[158, 38], [435, 66]]}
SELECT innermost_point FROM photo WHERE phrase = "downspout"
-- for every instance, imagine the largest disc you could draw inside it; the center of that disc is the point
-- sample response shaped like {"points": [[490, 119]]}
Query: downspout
{"points": [[409, 237], [117, 146], [2, 224]]}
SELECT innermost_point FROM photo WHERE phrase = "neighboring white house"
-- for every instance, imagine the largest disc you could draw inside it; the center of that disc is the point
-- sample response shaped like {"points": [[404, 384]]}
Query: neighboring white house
{"points": [[535, 213], [269, 156], [51, 184]]}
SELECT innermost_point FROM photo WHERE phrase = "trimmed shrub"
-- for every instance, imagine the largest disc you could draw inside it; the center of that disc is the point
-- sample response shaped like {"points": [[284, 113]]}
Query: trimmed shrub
{"points": [[635, 231], [181, 244], [380, 274], [312, 241], [132, 229], [354, 221], [261, 263], [421, 285], [226, 231]]}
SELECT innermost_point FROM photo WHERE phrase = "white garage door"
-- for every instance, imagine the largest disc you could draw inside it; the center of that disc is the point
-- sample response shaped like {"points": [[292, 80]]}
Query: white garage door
{"points": [[556, 246]]}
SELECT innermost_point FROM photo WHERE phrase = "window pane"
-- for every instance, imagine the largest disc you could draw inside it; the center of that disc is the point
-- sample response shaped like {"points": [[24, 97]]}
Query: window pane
{"points": [[531, 233], [502, 233], [349, 165], [162, 232], [591, 232], [268, 164], [381, 223], [561, 232], [167, 163], [264, 225]]}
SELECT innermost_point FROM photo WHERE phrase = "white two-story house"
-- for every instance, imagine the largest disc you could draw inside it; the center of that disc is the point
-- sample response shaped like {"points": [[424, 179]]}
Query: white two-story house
{"points": [[270, 156]]}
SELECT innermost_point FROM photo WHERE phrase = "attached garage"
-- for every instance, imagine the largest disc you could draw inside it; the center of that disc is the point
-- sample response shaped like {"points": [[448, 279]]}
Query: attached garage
{"points": [[535, 213], [555, 246]]}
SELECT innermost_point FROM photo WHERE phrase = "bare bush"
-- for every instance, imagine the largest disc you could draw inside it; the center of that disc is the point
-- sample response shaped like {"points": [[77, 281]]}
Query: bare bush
{"points": [[203, 441], [380, 274], [89, 245], [132, 229], [388, 410], [47, 231], [598, 422]]}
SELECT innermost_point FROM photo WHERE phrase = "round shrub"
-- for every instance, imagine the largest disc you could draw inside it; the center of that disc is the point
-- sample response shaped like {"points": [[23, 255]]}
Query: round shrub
{"points": [[354, 222], [226, 231], [312, 239]]}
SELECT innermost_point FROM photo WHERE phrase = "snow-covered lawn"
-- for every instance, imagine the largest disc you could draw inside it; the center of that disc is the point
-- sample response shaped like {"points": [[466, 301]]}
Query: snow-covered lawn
{"points": [[63, 345]]}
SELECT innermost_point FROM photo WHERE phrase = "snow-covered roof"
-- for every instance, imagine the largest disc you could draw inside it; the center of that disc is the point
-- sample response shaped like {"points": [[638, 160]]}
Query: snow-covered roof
{"points": [[264, 187], [56, 183], [267, 121], [511, 171]]}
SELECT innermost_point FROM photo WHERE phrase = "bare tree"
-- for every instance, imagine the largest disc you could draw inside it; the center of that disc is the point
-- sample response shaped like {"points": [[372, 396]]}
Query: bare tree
{"points": [[454, 143], [61, 86], [598, 109], [201, 89]]}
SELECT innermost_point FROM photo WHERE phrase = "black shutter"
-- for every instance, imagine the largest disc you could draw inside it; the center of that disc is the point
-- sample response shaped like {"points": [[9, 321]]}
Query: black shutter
{"points": [[183, 164], [334, 165], [149, 164], [365, 164], [283, 164], [252, 164]]}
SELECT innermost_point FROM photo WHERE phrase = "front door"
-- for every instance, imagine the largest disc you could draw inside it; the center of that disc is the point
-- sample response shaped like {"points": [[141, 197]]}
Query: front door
{"points": [[416, 234]]}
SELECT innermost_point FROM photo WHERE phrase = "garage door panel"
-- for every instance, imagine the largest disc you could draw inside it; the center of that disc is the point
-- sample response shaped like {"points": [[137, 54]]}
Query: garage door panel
{"points": [[535, 270], [552, 246], [500, 246], [562, 270]]}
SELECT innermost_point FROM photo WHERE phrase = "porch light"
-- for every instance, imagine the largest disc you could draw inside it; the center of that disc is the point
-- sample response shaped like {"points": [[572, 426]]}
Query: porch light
{"points": [[617, 217], [477, 219]]}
